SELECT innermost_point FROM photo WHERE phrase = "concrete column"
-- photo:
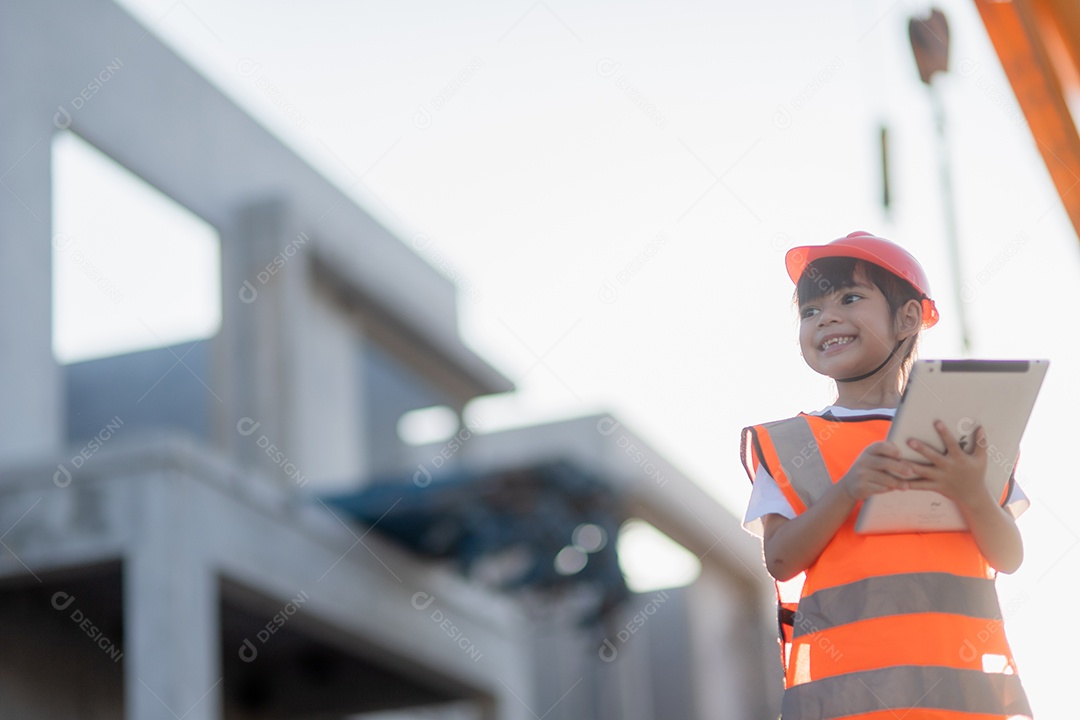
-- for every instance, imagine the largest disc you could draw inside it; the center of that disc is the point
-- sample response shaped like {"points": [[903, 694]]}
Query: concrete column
{"points": [[31, 410], [288, 354], [249, 357], [172, 653]]}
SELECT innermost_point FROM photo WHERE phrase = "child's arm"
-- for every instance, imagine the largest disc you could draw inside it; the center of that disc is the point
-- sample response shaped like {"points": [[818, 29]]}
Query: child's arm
{"points": [[792, 546], [960, 476]]}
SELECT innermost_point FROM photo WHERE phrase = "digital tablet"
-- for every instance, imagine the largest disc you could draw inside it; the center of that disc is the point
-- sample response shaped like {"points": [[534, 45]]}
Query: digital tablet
{"points": [[997, 394]]}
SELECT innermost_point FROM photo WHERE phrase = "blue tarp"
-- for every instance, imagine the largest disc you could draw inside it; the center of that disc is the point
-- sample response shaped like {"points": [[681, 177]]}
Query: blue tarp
{"points": [[468, 517]]}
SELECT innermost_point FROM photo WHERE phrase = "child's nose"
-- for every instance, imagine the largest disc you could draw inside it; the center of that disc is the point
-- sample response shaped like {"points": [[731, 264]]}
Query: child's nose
{"points": [[827, 316]]}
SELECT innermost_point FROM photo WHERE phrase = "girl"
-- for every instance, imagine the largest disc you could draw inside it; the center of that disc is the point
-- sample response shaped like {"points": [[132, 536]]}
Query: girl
{"points": [[878, 627]]}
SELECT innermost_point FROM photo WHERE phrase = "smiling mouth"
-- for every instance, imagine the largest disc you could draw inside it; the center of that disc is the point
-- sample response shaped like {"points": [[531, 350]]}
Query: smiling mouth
{"points": [[836, 341]]}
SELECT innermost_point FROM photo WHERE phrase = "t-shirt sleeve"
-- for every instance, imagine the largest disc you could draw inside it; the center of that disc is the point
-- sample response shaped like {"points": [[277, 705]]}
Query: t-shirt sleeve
{"points": [[765, 498], [1017, 502]]}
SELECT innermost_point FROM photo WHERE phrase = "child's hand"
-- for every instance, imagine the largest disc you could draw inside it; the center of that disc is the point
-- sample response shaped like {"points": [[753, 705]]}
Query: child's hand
{"points": [[956, 474], [875, 471]]}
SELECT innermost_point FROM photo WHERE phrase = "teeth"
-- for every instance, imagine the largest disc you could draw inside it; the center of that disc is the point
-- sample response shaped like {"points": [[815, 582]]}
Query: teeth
{"points": [[836, 341]]}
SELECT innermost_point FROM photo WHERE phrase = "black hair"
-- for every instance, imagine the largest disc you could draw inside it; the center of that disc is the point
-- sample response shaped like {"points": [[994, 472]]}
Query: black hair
{"points": [[827, 275]]}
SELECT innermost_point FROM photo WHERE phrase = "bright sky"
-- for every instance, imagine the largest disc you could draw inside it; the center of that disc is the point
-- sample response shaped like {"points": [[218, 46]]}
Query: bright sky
{"points": [[615, 185]]}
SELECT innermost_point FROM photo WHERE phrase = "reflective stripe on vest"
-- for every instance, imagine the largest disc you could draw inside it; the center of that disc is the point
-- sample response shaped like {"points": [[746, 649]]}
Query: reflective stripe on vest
{"points": [[799, 457], [904, 687], [895, 595]]}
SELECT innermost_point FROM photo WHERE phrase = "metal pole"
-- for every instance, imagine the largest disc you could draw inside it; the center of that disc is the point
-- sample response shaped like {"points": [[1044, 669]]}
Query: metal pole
{"points": [[948, 207]]}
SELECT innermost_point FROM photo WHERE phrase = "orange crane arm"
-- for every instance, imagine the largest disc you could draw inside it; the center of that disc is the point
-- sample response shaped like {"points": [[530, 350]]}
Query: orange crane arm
{"points": [[1038, 42]]}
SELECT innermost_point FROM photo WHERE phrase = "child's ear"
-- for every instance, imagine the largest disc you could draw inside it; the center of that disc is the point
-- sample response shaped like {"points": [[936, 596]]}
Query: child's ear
{"points": [[909, 319]]}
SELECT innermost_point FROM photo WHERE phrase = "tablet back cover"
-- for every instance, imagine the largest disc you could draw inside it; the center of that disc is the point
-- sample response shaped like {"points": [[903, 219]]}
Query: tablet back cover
{"points": [[998, 394]]}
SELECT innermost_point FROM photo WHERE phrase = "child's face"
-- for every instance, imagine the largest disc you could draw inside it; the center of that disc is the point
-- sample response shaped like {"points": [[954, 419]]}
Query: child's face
{"points": [[847, 332]]}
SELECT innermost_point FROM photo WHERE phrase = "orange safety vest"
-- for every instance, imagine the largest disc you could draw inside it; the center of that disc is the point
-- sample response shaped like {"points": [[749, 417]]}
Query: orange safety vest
{"points": [[884, 626]]}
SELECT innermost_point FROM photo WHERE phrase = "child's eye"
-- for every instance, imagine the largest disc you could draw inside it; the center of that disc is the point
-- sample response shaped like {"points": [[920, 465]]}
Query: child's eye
{"points": [[851, 297], [807, 312]]}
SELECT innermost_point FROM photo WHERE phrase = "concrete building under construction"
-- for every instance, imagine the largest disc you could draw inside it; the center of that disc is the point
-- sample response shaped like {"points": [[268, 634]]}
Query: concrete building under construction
{"points": [[231, 528]]}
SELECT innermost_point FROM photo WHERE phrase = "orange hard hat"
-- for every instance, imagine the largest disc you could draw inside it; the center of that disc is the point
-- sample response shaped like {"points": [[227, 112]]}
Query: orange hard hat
{"points": [[873, 249]]}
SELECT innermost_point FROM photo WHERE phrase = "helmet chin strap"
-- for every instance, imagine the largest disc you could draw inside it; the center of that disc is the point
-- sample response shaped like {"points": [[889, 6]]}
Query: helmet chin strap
{"points": [[884, 362]]}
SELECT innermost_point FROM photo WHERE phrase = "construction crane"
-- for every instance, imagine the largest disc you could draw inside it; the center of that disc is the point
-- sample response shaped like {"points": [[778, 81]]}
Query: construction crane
{"points": [[1038, 42]]}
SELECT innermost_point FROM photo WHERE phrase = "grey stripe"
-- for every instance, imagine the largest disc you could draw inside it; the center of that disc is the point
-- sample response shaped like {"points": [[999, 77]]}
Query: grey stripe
{"points": [[876, 597], [903, 687], [800, 457]]}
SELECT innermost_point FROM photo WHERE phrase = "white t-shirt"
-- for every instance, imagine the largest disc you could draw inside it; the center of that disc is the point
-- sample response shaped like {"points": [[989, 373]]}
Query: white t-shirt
{"points": [[766, 496]]}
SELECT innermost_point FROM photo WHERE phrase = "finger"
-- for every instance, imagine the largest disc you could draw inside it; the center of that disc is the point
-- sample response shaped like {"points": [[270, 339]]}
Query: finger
{"points": [[980, 444], [894, 477], [951, 444], [896, 483], [927, 474], [877, 488], [893, 467], [884, 448], [932, 454], [888, 480], [880, 489]]}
